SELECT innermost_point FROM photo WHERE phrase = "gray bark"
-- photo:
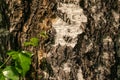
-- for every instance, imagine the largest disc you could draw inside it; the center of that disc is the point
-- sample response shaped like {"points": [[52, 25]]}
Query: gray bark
{"points": [[96, 51]]}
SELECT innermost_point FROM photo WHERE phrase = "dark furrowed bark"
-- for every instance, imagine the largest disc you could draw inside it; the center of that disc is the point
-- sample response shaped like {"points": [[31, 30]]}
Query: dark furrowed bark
{"points": [[95, 55]]}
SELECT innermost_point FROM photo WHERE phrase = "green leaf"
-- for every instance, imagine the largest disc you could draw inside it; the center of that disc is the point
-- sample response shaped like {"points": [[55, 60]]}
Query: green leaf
{"points": [[14, 54], [18, 67], [32, 42], [27, 43], [27, 53], [10, 73], [2, 77], [23, 63]]}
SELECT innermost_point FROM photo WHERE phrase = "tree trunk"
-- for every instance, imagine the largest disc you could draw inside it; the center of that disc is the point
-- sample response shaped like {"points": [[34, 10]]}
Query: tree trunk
{"points": [[83, 37]]}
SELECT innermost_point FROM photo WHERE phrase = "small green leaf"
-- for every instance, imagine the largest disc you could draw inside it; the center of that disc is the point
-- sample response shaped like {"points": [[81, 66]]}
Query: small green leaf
{"points": [[27, 43], [10, 73], [32, 42], [43, 34]]}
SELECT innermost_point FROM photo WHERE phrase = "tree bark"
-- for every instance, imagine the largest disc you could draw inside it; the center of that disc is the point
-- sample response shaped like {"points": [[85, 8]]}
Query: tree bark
{"points": [[95, 54]]}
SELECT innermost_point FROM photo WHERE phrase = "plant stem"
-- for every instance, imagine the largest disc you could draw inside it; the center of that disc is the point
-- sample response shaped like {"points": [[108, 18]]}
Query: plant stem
{"points": [[5, 61]]}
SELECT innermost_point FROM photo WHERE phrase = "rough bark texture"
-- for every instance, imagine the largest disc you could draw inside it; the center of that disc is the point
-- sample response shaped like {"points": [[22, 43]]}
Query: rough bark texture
{"points": [[95, 54]]}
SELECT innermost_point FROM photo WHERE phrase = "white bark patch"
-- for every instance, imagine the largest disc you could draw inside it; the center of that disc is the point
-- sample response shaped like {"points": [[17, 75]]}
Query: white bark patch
{"points": [[80, 75], [67, 31], [66, 68]]}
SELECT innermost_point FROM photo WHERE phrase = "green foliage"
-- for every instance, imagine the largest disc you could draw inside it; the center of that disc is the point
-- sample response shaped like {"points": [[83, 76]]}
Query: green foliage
{"points": [[10, 73], [22, 60], [43, 34], [2, 77], [32, 42]]}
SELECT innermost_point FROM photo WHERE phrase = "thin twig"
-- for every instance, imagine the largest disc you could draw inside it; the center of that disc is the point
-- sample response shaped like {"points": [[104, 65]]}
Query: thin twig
{"points": [[5, 62]]}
